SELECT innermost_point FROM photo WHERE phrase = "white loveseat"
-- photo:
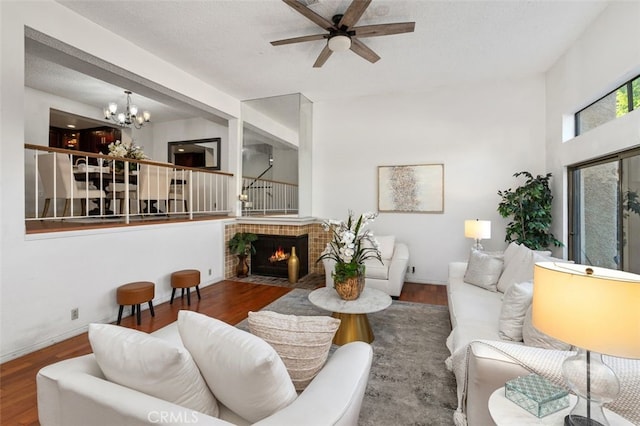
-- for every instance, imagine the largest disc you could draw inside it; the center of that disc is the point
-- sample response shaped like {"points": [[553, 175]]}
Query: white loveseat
{"points": [[484, 358], [387, 276], [76, 392]]}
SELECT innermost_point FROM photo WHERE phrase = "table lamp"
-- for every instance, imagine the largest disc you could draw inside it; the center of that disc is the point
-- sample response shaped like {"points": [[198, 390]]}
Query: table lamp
{"points": [[478, 230], [597, 311]]}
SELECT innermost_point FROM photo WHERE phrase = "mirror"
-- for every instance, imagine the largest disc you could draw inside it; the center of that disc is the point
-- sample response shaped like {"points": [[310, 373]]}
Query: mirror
{"points": [[274, 131], [200, 153]]}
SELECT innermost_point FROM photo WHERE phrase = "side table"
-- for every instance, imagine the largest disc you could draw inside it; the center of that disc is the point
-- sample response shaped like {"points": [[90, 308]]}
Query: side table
{"points": [[506, 413], [354, 323]]}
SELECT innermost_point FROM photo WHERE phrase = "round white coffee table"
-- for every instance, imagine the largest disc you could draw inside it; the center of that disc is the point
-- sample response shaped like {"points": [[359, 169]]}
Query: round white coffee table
{"points": [[506, 413], [354, 323]]}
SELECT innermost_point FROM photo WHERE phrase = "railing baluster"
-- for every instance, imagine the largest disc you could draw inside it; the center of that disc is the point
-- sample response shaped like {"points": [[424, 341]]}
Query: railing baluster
{"points": [[190, 187], [203, 191], [127, 218], [37, 185]]}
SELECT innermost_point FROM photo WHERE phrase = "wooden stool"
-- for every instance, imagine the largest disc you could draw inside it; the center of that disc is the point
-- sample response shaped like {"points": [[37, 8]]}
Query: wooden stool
{"points": [[185, 279], [134, 294]]}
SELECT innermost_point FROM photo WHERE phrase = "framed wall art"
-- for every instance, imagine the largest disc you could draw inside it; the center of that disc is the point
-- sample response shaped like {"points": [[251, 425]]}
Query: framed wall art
{"points": [[411, 189]]}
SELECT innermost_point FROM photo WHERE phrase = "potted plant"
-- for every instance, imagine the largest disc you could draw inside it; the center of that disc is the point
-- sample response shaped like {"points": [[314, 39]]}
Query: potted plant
{"points": [[241, 245], [529, 207], [350, 246]]}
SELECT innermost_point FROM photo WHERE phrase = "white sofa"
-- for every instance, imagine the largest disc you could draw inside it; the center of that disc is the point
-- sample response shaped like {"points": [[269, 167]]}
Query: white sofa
{"points": [[483, 360], [75, 392], [387, 276]]}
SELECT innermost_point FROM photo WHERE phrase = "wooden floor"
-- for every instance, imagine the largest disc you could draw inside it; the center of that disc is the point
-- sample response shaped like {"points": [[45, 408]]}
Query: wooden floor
{"points": [[229, 301]]}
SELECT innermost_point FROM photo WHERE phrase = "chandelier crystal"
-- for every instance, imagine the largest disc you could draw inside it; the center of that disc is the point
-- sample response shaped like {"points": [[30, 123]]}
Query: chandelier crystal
{"points": [[129, 116]]}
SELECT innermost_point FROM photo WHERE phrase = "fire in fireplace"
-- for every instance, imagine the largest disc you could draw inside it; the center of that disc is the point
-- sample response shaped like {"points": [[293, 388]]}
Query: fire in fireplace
{"points": [[279, 255], [273, 251]]}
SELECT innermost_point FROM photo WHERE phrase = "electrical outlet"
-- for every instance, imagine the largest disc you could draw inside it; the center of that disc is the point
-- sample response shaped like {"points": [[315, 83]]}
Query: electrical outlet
{"points": [[413, 269], [74, 314], [209, 271]]}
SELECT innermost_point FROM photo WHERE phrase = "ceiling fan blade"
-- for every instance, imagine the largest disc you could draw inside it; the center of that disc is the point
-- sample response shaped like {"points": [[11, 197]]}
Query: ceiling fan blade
{"points": [[354, 12], [310, 14], [299, 39], [384, 29], [322, 58], [359, 48]]}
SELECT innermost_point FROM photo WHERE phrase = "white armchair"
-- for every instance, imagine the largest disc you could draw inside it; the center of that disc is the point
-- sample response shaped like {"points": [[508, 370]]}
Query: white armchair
{"points": [[388, 276]]}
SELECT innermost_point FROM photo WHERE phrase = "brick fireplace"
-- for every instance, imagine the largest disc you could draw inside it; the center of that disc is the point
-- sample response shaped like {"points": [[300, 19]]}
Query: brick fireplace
{"points": [[317, 240]]}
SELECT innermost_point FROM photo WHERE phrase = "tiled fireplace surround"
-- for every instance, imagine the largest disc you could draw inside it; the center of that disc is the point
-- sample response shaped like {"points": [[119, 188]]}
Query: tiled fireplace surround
{"points": [[318, 239]]}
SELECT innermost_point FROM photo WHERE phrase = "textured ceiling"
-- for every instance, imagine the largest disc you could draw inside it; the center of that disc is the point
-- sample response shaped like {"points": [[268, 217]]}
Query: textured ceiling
{"points": [[226, 43]]}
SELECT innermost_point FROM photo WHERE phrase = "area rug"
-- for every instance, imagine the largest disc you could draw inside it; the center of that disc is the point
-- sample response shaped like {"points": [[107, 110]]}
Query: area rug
{"points": [[409, 383]]}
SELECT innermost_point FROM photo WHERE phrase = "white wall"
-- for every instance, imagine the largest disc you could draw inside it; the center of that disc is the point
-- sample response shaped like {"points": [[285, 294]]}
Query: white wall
{"points": [[42, 279], [603, 58], [49, 274], [482, 134]]}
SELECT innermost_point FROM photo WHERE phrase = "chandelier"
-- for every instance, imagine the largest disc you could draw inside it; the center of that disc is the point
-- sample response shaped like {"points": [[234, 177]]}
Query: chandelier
{"points": [[129, 116]]}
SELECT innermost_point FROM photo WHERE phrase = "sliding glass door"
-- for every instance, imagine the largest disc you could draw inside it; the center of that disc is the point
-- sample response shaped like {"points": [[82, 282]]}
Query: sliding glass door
{"points": [[631, 213], [605, 212]]}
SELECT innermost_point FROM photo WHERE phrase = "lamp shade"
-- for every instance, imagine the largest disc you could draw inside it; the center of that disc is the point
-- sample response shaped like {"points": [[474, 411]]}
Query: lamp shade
{"points": [[339, 43], [477, 229], [592, 308]]}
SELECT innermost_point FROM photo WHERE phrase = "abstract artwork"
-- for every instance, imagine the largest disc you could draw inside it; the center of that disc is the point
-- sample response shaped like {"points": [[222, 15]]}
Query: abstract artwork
{"points": [[411, 189]]}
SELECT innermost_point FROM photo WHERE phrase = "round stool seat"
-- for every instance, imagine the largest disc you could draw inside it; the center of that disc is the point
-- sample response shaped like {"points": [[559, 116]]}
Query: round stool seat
{"points": [[185, 279], [134, 294]]}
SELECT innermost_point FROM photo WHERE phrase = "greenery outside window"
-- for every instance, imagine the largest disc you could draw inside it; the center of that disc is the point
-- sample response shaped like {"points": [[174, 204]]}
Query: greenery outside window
{"points": [[615, 104]]}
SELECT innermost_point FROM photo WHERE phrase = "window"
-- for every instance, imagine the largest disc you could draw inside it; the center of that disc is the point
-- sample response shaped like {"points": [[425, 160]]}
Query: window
{"points": [[617, 103], [605, 212]]}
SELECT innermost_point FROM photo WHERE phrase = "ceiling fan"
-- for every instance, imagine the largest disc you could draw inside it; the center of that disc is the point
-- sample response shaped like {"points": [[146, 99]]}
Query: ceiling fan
{"points": [[342, 34]]}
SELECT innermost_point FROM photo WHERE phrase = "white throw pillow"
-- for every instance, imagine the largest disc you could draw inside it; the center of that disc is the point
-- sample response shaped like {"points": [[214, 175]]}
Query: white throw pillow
{"points": [[386, 245], [243, 371], [518, 268], [515, 303], [534, 337], [303, 342], [483, 270], [151, 365], [510, 252]]}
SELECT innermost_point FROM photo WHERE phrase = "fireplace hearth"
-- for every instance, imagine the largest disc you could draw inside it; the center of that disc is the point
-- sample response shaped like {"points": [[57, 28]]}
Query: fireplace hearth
{"points": [[273, 252]]}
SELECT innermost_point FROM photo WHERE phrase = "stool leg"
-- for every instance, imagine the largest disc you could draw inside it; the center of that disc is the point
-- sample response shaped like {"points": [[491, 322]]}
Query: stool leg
{"points": [[133, 310], [198, 291], [138, 317], [182, 295], [173, 292], [120, 314], [153, 314], [189, 296]]}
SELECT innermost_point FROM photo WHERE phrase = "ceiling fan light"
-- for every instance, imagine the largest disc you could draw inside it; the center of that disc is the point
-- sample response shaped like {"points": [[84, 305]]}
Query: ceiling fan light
{"points": [[339, 43]]}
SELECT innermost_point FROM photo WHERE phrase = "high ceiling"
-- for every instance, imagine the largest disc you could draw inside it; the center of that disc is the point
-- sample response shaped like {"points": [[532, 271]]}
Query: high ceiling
{"points": [[226, 43]]}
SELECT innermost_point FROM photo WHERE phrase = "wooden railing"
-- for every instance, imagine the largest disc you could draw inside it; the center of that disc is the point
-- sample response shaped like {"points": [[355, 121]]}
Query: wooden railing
{"points": [[74, 185], [268, 197]]}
